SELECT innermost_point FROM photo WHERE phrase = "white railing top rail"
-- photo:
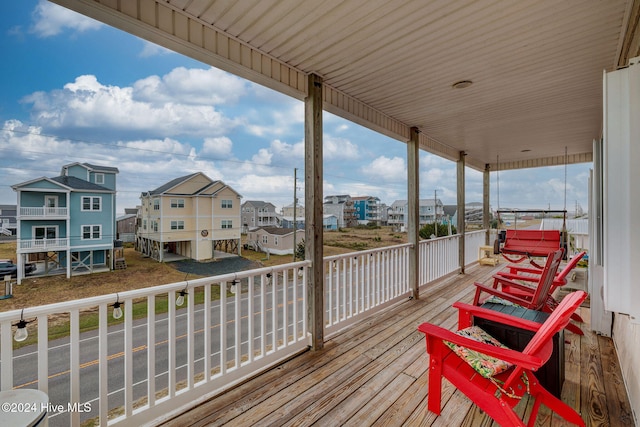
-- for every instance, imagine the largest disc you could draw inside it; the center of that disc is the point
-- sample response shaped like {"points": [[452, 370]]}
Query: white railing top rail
{"points": [[365, 252], [139, 293]]}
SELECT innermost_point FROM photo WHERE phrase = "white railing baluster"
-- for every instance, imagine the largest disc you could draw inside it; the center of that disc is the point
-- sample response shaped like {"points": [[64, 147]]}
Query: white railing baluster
{"points": [[190, 338], [285, 309], [223, 328], [237, 324], [250, 331], [43, 353], [6, 355], [274, 312], [151, 350], [103, 372], [74, 363], [263, 314], [171, 343], [128, 357], [207, 333]]}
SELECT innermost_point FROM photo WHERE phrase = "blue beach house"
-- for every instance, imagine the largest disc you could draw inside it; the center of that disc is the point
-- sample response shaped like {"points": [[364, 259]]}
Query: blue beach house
{"points": [[66, 224]]}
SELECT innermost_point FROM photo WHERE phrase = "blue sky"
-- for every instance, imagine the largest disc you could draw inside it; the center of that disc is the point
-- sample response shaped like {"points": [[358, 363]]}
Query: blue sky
{"points": [[75, 90]]}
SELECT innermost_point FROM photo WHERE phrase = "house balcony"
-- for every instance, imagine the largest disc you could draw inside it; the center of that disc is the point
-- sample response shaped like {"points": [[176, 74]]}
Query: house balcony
{"points": [[43, 213], [238, 351], [43, 245]]}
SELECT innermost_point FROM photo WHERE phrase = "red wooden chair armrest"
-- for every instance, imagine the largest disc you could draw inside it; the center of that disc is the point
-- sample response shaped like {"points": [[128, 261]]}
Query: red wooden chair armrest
{"points": [[492, 291], [434, 332], [466, 312], [497, 278], [515, 276], [516, 269]]}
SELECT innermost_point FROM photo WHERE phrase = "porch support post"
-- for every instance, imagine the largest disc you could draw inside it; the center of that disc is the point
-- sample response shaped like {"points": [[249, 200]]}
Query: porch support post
{"points": [[313, 238], [486, 224], [413, 214], [461, 209]]}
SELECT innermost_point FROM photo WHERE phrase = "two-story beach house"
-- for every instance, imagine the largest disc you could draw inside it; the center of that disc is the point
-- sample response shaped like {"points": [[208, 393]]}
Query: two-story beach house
{"points": [[191, 216], [258, 213], [67, 222]]}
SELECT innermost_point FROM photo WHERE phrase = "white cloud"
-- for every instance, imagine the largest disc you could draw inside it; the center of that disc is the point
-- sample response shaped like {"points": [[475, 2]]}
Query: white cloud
{"points": [[190, 86], [217, 147], [88, 104], [386, 170], [49, 20], [338, 148], [265, 122], [151, 49]]}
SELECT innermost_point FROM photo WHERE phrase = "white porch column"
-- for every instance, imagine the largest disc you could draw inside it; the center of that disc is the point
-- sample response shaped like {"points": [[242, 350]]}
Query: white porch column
{"points": [[313, 237], [413, 213], [486, 224], [461, 209]]}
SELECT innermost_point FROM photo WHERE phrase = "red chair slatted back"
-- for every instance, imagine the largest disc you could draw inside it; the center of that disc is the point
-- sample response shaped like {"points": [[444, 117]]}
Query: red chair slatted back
{"points": [[546, 278]]}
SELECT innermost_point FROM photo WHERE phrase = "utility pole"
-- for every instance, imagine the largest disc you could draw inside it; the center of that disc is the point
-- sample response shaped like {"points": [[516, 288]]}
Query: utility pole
{"points": [[295, 202]]}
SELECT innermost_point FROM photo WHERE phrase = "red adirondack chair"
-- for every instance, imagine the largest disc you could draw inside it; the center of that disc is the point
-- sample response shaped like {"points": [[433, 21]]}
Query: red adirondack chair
{"points": [[532, 275], [497, 394], [533, 300]]}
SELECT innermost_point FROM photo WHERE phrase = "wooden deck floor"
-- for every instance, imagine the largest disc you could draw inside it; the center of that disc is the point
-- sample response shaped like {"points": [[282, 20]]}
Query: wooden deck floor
{"points": [[375, 374]]}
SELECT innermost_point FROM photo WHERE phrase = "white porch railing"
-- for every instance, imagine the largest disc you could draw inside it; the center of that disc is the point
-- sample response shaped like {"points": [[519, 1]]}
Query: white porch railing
{"points": [[361, 282], [43, 212], [438, 257], [143, 370], [43, 244], [472, 242]]}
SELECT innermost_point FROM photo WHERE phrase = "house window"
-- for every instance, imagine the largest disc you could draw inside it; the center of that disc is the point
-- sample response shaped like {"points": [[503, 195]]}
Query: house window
{"points": [[177, 225], [227, 204], [45, 232], [275, 240], [99, 178], [177, 203], [156, 204], [144, 224], [91, 203], [154, 225], [91, 232], [227, 223], [265, 239]]}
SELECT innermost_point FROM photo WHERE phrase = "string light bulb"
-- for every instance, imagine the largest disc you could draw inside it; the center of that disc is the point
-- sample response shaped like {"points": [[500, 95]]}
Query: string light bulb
{"points": [[180, 298], [117, 309], [21, 333]]}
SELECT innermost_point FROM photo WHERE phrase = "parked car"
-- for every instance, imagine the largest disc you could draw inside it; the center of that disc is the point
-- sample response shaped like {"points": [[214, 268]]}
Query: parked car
{"points": [[7, 267]]}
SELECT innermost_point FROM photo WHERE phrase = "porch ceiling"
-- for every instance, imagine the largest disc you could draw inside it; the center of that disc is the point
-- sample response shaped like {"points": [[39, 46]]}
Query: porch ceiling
{"points": [[536, 66]]}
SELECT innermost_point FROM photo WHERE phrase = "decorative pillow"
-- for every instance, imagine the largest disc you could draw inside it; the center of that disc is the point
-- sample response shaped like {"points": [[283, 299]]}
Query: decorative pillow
{"points": [[485, 365], [497, 300]]}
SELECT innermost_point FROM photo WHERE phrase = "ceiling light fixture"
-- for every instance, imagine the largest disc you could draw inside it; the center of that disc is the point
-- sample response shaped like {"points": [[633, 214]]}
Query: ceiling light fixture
{"points": [[462, 84]]}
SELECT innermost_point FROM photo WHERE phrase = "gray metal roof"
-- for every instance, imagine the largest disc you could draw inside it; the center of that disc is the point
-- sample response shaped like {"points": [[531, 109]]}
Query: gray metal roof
{"points": [[80, 184]]}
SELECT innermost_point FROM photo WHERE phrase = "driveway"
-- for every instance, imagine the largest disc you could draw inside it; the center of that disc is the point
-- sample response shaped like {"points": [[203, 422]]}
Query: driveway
{"points": [[214, 268]]}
